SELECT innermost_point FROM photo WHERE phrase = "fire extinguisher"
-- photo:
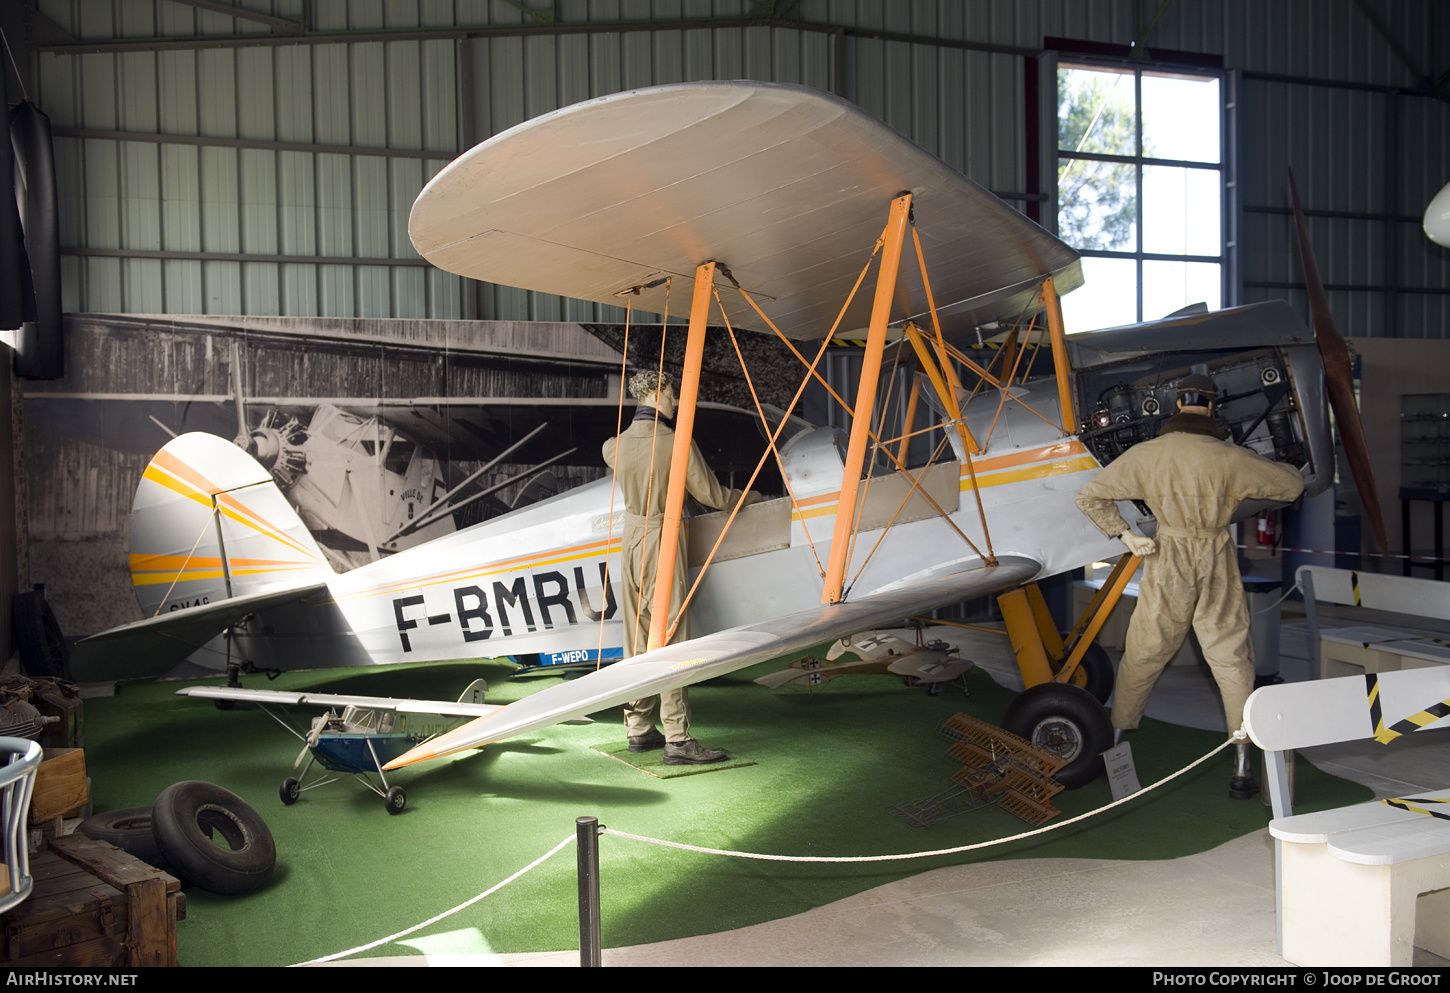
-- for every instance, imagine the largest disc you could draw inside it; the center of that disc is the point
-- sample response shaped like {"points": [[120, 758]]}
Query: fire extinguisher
{"points": [[1268, 528]]}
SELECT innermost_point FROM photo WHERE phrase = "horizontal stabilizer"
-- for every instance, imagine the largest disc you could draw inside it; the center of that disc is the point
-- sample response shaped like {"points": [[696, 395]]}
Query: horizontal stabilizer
{"points": [[716, 654], [152, 647]]}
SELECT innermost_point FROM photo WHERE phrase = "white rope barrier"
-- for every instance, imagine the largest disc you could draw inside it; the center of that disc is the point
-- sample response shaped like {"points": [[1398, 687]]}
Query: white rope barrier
{"points": [[1237, 736], [447, 913], [1287, 594], [1423, 560]]}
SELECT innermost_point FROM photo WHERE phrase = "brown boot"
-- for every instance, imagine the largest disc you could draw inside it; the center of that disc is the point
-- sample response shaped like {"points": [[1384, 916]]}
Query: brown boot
{"points": [[647, 742], [691, 752]]}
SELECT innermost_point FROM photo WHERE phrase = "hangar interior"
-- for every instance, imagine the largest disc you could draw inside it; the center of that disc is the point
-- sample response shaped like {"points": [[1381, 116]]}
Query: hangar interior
{"points": [[232, 187]]}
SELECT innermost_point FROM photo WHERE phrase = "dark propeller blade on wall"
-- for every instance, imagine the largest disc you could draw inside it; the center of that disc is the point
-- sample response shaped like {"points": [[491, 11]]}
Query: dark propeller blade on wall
{"points": [[1339, 379]]}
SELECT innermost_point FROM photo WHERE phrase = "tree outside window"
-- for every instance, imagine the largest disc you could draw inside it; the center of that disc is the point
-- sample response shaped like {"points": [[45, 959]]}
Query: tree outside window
{"points": [[1139, 186]]}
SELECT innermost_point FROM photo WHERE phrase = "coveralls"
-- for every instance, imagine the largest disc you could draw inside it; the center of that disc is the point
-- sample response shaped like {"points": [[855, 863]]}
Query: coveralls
{"points": [[644, 513], [1193, 482]]}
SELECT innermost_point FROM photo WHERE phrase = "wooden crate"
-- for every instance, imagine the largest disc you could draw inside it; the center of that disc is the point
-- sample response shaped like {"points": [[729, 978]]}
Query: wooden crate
{"points": [[60, 784], [93, 905]]}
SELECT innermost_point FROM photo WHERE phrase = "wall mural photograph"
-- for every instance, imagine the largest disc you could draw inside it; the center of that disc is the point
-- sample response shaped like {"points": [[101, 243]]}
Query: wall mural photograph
{"points": [[381, 434]]}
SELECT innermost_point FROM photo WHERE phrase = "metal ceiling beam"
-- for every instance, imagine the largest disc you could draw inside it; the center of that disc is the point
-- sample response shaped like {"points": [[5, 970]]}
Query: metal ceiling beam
{"points": [[279, 25], [505, 31], [1428, 84], [155, 138]]}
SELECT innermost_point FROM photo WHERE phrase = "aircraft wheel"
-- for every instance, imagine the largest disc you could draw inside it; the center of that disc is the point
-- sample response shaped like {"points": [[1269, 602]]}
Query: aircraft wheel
{"points": [[932, 689], [1095, 673], [1067, 721], [129, 829], [184, 819], [395, 799], [291, 790]]}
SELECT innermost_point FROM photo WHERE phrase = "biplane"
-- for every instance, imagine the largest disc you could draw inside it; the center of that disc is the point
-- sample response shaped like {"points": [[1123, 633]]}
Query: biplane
{"points": [[779, 210]]}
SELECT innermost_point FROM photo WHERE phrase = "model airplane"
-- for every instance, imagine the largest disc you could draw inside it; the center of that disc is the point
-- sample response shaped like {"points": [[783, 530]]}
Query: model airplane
{"points": [[767, 199], [363, 735], [876, 652]]}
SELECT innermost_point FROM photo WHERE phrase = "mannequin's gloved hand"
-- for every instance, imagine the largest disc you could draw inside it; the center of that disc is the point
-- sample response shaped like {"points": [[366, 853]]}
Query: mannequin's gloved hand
{"points": [[1137, 544]]}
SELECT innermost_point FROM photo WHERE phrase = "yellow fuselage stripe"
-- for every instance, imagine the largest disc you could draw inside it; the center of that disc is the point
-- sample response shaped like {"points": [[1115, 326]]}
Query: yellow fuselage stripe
{"points": [[990, 472]]}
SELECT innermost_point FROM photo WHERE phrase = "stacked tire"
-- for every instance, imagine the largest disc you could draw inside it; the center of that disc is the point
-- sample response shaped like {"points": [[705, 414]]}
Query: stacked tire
{"points": [[177, 834]]}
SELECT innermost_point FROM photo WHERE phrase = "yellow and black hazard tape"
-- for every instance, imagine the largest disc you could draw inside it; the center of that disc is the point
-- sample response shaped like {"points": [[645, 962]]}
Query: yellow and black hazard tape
{"points": [[1414, 722], [1409, 803]]}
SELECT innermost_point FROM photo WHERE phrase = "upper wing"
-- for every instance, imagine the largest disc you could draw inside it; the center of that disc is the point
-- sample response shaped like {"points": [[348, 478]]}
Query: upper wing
{"points": [[787, 186], [306, 699], [719, 653], [152, 647]]}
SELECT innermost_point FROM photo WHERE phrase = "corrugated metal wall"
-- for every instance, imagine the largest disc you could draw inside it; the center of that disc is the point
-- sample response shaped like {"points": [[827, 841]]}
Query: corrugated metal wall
{"points": [[253, 173]]}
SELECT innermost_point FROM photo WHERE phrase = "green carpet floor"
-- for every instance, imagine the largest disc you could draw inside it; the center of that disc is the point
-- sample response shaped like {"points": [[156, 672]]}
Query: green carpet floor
{"points": [[829, 764]]}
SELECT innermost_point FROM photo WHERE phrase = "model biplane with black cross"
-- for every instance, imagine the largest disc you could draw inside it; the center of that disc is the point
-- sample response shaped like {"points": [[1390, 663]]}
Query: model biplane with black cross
{"points": [[757, 209]]}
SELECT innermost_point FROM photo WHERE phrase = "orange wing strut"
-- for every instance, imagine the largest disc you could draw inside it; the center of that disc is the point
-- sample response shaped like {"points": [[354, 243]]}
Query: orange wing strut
{"points": [[892, 238], [1059, 355], [680, 455]]}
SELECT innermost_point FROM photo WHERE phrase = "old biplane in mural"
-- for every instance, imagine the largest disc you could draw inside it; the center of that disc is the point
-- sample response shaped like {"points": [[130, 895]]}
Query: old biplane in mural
{"points": [[369, 478], [767, 207]]}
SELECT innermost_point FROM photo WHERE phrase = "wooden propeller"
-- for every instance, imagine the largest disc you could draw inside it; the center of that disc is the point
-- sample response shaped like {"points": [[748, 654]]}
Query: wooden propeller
{"points": [[1339, 379]]}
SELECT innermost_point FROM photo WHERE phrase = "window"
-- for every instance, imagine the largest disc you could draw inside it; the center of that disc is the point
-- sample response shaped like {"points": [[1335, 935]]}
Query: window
{"points": [[1140, 191]]}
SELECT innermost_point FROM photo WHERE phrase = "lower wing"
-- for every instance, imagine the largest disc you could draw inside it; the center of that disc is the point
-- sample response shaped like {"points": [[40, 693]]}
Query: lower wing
{"points": [[716, 654]]}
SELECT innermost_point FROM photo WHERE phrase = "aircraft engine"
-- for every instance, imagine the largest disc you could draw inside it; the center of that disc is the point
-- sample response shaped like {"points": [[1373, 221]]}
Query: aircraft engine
{"points": [[277, 445], [1256, 407]]}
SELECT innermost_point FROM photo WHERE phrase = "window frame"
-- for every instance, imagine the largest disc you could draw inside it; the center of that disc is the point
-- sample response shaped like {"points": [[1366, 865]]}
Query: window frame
{"points": [[1049, 66]]}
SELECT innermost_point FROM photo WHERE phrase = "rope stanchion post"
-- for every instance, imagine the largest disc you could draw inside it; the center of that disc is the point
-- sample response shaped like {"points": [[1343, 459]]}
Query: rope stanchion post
{"points": [[587, 838]]}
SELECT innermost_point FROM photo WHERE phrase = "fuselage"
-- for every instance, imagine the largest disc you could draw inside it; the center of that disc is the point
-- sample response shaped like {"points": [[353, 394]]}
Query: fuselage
{"points": [[544, 578]]}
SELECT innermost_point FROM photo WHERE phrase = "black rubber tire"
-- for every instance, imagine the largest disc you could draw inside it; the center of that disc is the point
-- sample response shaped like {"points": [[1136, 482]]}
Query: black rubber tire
{"points": [[290, 790], [184, 818], [129, 829], [1065, 720], [1095, 673], [38, 638], [396, 800]]}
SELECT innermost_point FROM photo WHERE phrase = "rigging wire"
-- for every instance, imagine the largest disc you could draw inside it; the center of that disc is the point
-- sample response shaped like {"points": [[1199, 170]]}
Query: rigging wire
{"points": [[618, 429]]}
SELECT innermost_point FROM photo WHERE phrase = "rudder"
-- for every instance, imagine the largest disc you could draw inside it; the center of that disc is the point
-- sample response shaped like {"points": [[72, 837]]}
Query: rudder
{"points": [[209, 523]]}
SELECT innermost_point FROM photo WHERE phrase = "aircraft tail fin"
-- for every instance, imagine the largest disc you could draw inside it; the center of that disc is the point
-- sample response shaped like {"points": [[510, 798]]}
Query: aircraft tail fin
{"points": [[474, 693], [209, 523]]}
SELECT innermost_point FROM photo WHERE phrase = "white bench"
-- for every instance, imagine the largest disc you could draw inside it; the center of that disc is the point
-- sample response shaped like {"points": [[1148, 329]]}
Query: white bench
{"points": [[1354, 650], [1349, 881]]}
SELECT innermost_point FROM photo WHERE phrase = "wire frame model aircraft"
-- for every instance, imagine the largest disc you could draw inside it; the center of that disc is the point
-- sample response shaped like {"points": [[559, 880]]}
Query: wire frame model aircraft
{"points": [[772, 209]]}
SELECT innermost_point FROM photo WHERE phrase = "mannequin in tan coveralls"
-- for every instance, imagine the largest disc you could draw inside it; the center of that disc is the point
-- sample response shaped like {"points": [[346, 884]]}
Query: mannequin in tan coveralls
{"points": [[1193, 482], [640, 458]]}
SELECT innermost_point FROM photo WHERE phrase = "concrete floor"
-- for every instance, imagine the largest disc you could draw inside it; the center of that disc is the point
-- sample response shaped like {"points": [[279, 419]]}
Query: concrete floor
{"points": [[1211, 909]]}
